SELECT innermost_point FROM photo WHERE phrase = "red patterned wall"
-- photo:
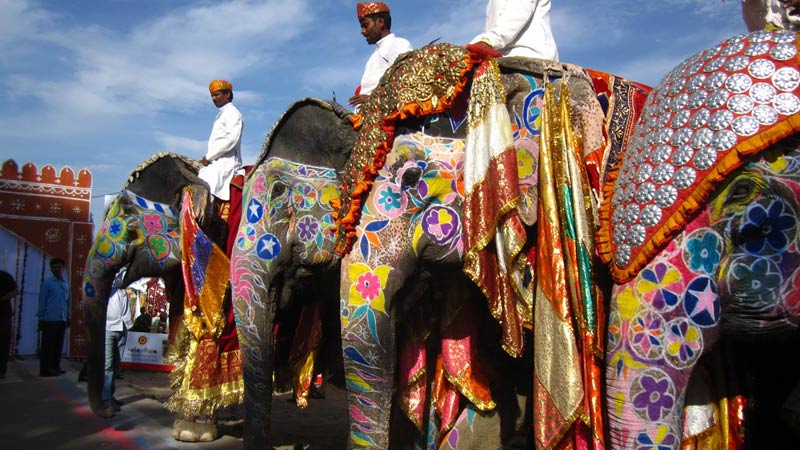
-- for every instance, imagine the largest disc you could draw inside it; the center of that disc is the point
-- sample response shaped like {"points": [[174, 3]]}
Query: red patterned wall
{"points": [[51, 210]]}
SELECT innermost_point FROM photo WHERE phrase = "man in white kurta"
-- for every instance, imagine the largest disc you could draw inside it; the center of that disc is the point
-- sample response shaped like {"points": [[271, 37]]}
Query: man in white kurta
{"points": [[224, 155], [519, 28], [376, 25]]}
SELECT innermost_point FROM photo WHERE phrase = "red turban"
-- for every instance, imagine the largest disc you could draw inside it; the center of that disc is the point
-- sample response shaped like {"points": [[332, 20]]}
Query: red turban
{"points": [[219, 85], [366, 8]]}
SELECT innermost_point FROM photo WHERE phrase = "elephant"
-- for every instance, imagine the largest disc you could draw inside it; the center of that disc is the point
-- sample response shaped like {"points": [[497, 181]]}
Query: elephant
{"points": [[141, 231], [408, 246], [700, 228]]}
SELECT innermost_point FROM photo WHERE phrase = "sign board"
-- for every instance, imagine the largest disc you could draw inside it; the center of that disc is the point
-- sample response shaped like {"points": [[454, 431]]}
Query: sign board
{"points": [[146, 351]]}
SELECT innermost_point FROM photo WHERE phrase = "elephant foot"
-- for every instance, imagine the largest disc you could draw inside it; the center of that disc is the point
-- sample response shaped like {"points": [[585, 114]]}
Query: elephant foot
{"points": [[187, 431]]}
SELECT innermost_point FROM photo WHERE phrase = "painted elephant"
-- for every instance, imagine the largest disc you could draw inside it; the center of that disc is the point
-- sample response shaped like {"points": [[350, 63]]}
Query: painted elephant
{"points": [[701, 231], [284, 246], [141, 231], [407, 234]]}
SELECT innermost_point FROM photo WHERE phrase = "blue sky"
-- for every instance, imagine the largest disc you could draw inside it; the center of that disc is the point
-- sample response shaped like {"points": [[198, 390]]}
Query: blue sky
{"points": [[103, 84]]}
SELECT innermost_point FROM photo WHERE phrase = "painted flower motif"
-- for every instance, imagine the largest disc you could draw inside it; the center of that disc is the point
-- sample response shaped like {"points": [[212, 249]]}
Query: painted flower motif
{"points": [[307, 228], [440, 224], [368, 285], [703, 252], [657, 286], [646, 334], [390, 201], [327, 194], [526, 163], [366, 294], [153, 223], [755, 279], [655, 397], [684, 343], [259, 185], [159, 247], [662, 439], [246, 237], [768, 229], [304, 196]]}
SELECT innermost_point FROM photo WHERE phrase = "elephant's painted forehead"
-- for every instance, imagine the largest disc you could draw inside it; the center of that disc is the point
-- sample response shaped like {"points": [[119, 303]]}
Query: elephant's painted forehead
{"points": [[721, 104], [299, 170]]}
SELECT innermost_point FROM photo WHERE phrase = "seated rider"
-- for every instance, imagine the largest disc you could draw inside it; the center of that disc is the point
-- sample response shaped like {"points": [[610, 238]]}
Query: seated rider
{"points": [[519, 28], [224, 156]]}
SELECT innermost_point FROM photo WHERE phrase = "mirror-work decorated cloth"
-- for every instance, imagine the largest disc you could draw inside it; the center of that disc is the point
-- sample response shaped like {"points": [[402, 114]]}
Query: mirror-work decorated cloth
{"points": [[700, 124]]}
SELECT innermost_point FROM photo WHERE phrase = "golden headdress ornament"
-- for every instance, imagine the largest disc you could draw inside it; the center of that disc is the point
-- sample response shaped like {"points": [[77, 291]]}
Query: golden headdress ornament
{"points": [[366, 8]]}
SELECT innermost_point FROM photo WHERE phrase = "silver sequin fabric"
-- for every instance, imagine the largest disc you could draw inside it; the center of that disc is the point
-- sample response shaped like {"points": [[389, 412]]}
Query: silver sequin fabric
{"points": [[701, 111]]}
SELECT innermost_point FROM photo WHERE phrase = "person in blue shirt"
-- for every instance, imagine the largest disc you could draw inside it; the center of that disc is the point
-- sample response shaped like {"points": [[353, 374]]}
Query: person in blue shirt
{"points": [[54, 315]]}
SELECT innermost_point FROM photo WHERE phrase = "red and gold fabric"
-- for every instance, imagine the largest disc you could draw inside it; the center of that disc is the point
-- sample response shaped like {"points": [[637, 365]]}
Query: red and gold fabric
{"points": [[208, 370], [567, 346]]}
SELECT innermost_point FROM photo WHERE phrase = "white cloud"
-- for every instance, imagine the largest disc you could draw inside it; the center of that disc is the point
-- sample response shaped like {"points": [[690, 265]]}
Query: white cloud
{"points": [[180, 144], [159, 65]]}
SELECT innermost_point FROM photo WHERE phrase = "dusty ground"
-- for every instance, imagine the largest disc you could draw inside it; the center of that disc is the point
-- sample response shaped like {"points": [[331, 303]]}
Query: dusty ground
{"points": [[53, 414], [321, 426]]}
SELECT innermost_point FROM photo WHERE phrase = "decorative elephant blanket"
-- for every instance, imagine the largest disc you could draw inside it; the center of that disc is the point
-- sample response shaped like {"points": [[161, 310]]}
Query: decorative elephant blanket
{"points": [[567, 314], [707, 116]]}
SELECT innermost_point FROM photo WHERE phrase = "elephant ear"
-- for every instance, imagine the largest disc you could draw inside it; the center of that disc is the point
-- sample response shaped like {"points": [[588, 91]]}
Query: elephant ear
{"points": [[162, 178], [681, 150], [311, 131]]}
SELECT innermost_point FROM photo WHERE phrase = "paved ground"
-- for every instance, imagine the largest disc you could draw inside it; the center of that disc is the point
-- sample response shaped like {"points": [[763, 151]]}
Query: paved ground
{"points": [[53, 414]]}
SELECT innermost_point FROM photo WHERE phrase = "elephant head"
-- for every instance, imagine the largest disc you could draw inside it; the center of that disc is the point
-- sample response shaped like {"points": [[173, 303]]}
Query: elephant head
{"points": [[702, 226], [139, 231], [284, 247]]}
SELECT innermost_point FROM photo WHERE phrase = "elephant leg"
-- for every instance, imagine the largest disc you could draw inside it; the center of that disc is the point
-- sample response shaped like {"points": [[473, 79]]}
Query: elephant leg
{"points": [[194, 429]]}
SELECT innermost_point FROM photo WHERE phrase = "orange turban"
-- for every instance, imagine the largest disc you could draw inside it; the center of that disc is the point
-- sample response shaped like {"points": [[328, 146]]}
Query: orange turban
{"points": [[219, 85], [366, 8]]}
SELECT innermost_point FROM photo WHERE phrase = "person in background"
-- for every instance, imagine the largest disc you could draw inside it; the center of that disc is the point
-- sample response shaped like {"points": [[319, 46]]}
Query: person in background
{"points": [[118, 322], [224, 155], [8, 290], [54, 316], [519, 28], [376, 27], [143, 322], [771, 14]]}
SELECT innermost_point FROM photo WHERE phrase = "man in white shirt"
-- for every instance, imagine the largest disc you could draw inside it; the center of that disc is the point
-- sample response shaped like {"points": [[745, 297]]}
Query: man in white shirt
{"points": [[118, 322], [376, 26], [224, 156], [519, 28]]}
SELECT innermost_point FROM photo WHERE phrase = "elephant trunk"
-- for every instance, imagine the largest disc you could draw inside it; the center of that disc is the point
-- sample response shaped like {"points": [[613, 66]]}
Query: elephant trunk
{"points": [[368, 345], [254, 303], [645, 407], [96, 289], [650, 357]]}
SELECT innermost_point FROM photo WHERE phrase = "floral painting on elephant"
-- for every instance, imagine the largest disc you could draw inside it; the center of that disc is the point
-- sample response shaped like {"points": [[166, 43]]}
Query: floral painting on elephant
{"points": [[700, 228], [447, 200]]}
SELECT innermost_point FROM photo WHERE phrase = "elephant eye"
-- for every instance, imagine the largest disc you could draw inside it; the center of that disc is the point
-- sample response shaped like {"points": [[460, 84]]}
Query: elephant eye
{"points": [[741, 190], [278, 189], [411, 177]]}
